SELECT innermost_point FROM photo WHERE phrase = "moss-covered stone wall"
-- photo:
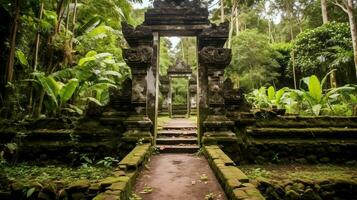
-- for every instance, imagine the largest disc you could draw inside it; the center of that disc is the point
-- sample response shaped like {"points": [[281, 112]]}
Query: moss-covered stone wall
{"points": [[116, 186], [294, 140], [63, 140]]}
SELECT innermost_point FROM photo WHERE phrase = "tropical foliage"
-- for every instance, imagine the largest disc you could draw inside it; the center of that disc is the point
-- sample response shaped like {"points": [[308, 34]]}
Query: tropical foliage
{"points": [[310, 99]]}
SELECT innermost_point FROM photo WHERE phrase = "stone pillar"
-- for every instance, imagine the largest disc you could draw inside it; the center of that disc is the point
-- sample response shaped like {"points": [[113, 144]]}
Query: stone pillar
{"points": [[188, 98], [164, 89], [213, 59], [193, 94], [139, 59], [170, 98]]}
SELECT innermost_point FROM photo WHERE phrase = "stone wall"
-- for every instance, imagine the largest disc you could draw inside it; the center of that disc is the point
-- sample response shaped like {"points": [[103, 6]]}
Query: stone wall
{"points": [[294, 140], [235, 183], [308, 190], [63, 140], [117, 186]]}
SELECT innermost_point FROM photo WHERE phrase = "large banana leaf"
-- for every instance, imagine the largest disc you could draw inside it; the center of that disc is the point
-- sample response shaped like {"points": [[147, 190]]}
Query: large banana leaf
{"points": [[45, 84], [68, 90], [315, 89], [271, 93]]}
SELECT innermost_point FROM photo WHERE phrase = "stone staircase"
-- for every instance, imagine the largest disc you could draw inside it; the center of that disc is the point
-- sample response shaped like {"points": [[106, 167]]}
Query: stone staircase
{"points": [[178, 136], [179, 110]]}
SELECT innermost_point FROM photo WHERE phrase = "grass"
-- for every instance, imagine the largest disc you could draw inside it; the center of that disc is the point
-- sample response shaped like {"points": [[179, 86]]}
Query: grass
{"points": [[307, 172], [28, 174], [162, 120]]}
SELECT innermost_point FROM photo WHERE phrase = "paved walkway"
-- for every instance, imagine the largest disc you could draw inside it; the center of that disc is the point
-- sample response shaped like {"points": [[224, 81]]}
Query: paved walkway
{"points": [[178, 177]]}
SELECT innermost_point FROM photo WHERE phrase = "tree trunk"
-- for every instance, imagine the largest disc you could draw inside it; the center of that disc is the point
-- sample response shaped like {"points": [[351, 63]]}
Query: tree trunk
{"points": [[353, 30], [231, 26], [324, 11], [333, 82], [237, 20], [74, 22], [9, 70], [60, 13], [37, 44], [222, 11], [11, 59]]}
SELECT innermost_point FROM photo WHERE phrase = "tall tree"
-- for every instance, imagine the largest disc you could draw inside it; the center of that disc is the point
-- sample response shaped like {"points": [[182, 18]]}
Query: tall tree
{"points": [[348, 6], [324, 11], [325, 20]]}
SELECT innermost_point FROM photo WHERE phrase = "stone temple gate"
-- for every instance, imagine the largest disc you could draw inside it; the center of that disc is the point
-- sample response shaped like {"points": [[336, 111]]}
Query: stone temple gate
{"points": [[178, 18]]}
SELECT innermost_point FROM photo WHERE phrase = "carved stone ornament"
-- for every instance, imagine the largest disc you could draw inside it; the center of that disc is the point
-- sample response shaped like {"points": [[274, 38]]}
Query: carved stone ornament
{"points": [[138, 91], [140, 35], [138, 56], [219, 57]]}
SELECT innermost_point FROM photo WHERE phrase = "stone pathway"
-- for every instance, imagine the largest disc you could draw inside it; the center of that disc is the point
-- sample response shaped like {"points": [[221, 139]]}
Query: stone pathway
{"points": [[178, 136], [178, 177]]}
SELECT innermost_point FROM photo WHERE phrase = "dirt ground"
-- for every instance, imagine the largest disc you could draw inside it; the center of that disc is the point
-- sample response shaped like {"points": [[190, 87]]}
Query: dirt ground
{"points": [[178, 177]]}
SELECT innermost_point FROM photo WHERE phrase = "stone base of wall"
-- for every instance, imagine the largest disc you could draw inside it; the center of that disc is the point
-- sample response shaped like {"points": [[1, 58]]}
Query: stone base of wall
{"points": [[309, 190], [295, 140], [60, 140], [235, 183], [118, 186]]}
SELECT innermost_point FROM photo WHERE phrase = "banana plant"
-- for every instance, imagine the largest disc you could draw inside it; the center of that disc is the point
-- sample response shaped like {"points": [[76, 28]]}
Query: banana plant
{"points": [[267, 98], [316, 97], [58, 93]]}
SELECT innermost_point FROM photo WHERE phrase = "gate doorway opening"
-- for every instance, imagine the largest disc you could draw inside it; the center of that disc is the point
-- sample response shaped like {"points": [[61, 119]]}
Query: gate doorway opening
{"points": [[177, 90], [177, 77]]}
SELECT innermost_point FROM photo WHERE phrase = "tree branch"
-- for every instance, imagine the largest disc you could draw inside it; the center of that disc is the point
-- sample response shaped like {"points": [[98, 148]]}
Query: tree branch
{"points": [[341, 6]]}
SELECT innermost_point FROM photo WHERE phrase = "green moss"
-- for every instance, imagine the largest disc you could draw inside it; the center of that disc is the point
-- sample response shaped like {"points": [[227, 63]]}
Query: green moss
{"points": [[28, 174], [306, 172]]}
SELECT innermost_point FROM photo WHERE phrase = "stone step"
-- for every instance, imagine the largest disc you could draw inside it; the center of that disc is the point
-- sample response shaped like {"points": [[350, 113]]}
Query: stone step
{"points": [[179, 116], [176, 140], [303, 133], [180, 126], [178, 148], [177, 133]]}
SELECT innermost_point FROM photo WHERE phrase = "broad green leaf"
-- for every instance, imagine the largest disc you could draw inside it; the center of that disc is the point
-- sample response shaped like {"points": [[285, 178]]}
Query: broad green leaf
{"points": [[113, 73], [55, 86], [316, 109], [91, 54], [68, 90], [30, 192], [94, 100], [271, 93], [84, 60], [47, 88], [103, 55], [315, 89], [22, 58], [279, 95]]}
